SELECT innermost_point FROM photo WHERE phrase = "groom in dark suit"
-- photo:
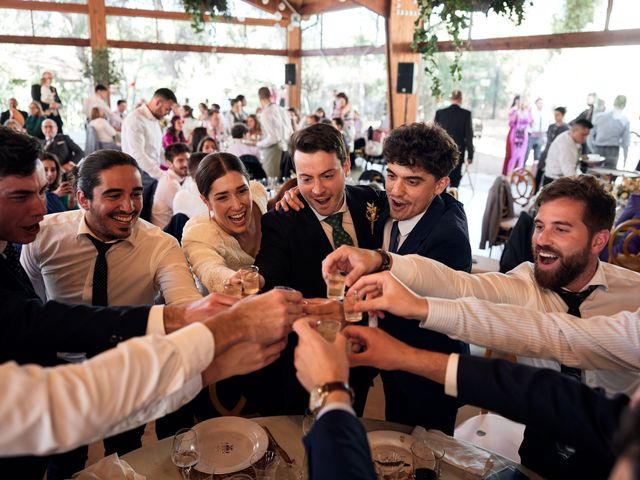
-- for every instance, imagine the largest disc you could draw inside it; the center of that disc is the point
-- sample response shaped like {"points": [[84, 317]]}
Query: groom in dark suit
{"points": [[457, 122], [294, 243]]}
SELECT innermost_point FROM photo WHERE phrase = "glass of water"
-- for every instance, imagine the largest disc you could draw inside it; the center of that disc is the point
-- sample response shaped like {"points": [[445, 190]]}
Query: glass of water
{"points": [[185, 452]]}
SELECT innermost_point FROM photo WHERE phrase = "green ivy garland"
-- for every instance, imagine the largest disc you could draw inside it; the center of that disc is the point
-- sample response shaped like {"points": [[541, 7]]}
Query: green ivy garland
{"points": [[199, 9]]}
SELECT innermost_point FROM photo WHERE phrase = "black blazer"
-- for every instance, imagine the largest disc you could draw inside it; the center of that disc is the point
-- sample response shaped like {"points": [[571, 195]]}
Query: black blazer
{"points": [[337, 448], [34, 332], [65, 149], [441, 234], [4, 116], [457, 122], [552, 403]]}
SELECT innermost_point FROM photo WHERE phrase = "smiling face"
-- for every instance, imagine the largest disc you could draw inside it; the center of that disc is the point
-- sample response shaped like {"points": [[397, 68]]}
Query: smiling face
{"points": [[180, 164], [209, 146], [22, 206], [321, 180], [230, 202], [411, 190], [565, 253], [50, 171], [116, 203]]}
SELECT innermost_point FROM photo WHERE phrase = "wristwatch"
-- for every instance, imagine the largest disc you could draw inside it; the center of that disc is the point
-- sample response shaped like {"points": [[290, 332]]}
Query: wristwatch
{"points": [[319, 394], [386, 260]]}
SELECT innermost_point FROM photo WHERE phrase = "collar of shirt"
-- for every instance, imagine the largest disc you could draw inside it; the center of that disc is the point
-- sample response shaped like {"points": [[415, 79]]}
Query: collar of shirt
{"points": [[173, 176], [83, 229], [342, 209], [145, 112], [404, 228]]}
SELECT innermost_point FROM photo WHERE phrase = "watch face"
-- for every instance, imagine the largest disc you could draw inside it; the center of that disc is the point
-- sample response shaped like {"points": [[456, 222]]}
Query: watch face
{"points": [[315, 398]]}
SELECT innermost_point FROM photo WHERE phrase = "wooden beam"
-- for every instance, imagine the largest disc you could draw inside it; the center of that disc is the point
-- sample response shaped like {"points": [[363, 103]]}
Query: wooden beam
{"points": [[270, 7], [194, 48], [294, 42], [324, 6], [381, 7], [326, 52], [159, 14], [44, 6], [27, 40], [97, 24]]}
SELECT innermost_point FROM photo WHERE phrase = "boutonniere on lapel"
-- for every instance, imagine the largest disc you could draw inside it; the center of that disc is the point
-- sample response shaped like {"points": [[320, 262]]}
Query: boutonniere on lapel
{"points": [[373, 213]]}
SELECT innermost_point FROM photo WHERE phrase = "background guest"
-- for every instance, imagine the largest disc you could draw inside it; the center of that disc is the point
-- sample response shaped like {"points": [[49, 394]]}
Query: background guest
{"points": [[174, 133], [104, 130], [33, 124]]}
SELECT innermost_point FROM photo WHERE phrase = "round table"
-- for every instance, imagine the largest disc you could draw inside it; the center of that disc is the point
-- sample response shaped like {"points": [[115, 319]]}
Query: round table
{"points": [[154, 460]]}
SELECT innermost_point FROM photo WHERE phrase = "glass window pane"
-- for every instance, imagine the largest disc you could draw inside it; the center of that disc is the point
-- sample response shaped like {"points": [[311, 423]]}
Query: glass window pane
{"points": [[43, 24], [625, 14], [347, 28]]}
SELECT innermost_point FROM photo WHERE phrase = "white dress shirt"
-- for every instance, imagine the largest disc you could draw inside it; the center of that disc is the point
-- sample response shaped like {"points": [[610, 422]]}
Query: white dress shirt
{"points": [[404, 229], [142, 139], [96, 101], [617, 291], [238, 148], [168, 186], [562, 158], [61, 260], [49, 410], [215, 255], [188, 201], [104, 131], [539, 125], [603, 342], [276, 127]]}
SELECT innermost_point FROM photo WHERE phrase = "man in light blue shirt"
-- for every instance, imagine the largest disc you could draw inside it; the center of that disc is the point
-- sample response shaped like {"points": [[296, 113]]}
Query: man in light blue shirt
{"points": [[610, 132]]}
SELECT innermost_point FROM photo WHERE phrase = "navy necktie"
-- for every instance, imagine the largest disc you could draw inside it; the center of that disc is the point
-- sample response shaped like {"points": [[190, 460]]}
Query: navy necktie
{"points": [[13, 262], [100, 273], [395, 237]]}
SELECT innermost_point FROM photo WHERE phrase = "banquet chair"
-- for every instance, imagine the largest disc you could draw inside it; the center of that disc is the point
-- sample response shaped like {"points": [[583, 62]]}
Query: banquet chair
{"points": [[624, 245], [523, 186], [494, 433], [499, 218]]}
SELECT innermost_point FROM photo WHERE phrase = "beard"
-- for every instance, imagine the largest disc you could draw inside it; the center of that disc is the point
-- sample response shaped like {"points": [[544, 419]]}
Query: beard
{"points": [[568, 268]]}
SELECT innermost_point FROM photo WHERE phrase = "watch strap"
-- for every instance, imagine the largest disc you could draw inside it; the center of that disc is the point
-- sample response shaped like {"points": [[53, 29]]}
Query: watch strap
{"points": [[385, 263]]}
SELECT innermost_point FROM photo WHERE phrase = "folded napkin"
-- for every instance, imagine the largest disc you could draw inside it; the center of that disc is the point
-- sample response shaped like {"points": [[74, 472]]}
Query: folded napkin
{"points": [[459, 453], [111, 467]]}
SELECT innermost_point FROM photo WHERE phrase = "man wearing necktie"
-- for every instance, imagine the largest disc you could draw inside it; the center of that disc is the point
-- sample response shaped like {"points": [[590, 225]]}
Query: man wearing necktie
{"points": [[294, 243]]}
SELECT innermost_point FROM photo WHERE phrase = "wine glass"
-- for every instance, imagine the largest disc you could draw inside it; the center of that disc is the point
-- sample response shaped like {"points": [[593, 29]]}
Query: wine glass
{"points": [[185, 452]]}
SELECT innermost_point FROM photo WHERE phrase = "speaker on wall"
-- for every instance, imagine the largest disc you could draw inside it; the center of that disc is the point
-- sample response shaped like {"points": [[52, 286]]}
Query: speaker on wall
{"points": [[290, 73], [405, 78]]}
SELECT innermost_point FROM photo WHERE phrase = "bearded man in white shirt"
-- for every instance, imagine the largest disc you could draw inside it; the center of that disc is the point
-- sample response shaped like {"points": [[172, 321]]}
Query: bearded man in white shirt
{"points": [[276, 130]]}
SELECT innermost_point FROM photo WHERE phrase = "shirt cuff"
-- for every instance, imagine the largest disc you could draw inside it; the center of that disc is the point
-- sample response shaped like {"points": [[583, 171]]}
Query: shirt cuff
{"points": [[196, 345], [451, 376], [345, 407], [155, 321], [442, 316]]}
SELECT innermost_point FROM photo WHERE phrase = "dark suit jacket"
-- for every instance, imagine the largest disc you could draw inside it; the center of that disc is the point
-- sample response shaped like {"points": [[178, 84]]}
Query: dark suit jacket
{"points": [[457, 122], [291, 253], [337, 449], [552, 403], [4, 116], [66, 149], [441, 234], [34, 332]]}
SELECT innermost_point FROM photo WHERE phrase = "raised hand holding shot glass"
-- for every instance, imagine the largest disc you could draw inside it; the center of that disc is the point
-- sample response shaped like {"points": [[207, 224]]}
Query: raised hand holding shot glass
{"points": [[335, 286], [250, 277], [348, 303]]}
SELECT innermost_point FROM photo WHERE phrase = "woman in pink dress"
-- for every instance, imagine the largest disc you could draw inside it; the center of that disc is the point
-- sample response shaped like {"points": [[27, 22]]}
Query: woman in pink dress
{"points": [[520, 119]]}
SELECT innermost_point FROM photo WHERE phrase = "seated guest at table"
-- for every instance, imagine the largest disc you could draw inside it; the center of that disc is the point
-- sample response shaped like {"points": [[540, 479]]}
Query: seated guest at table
{"points": [[187, 200], [125, 259], [33, 124], [569, 414], [218, 244], [50, 410], [208, 145], [174, 133], [36, 331], [57, 190], [196, 136], [104, 131], [177, 157], [214, 124], [571, 228], [255, 130], [553, 131], [60, 144], [562, 159], [237, 146], [100, 100], [610, 132], [12, 113], [336, 446]]}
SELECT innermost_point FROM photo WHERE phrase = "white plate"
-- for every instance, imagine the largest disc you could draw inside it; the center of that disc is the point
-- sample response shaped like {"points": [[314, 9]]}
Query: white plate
{"points": [[228, 443], [397, 441]]}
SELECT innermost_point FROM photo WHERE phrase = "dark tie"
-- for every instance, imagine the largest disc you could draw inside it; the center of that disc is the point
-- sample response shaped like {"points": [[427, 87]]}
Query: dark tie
{"points": [[573, 301], [340, 235], [13, 262], [100, 273], [395, 236]]}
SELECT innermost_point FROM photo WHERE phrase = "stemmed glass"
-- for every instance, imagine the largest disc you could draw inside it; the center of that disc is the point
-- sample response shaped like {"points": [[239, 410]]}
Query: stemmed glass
{"points": [[185, 452]]}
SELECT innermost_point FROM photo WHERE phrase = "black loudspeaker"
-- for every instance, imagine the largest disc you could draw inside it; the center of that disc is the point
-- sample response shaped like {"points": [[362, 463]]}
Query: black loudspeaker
{"points": [[405, 78], [290, 73]]}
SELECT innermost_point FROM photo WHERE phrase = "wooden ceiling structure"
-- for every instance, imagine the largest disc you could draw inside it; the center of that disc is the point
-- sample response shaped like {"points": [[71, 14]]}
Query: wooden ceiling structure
{"points": [[399, 18]]}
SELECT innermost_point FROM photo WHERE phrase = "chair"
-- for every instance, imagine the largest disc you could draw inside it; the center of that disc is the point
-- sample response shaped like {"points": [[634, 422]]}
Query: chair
{"points": [[523, 186], [499, 217], [254, 167], [494, 433], [149, 186], [92, 144], [176, 226], [624, 245], [287, 168]]}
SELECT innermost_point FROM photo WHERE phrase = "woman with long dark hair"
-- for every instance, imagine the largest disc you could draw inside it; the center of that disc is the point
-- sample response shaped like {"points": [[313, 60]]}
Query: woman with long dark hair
{"points": [[174, 133]]}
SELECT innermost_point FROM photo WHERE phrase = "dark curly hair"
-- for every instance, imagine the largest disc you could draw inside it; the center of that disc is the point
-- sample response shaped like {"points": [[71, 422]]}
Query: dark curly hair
{"points": [[423, 145], [18, 153], [599, 205]]}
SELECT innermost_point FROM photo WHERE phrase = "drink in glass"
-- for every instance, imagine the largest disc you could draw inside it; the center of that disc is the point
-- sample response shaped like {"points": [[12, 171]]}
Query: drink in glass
{"points": [[328, 329], [185, 452], [335, 286], [232, 289], [349, 301], [250, 277]]}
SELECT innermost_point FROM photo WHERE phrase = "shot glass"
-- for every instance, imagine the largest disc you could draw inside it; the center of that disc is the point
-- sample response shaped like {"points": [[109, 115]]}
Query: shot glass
{"points": [[250, 277], [349, 301], [426, 457], [335, 286], [328, 329], [232, 289]]}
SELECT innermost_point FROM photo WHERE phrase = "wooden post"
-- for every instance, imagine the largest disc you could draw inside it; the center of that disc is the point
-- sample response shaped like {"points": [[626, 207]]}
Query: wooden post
{"points": [[400, 26], [294, 44], [98, 41]]}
